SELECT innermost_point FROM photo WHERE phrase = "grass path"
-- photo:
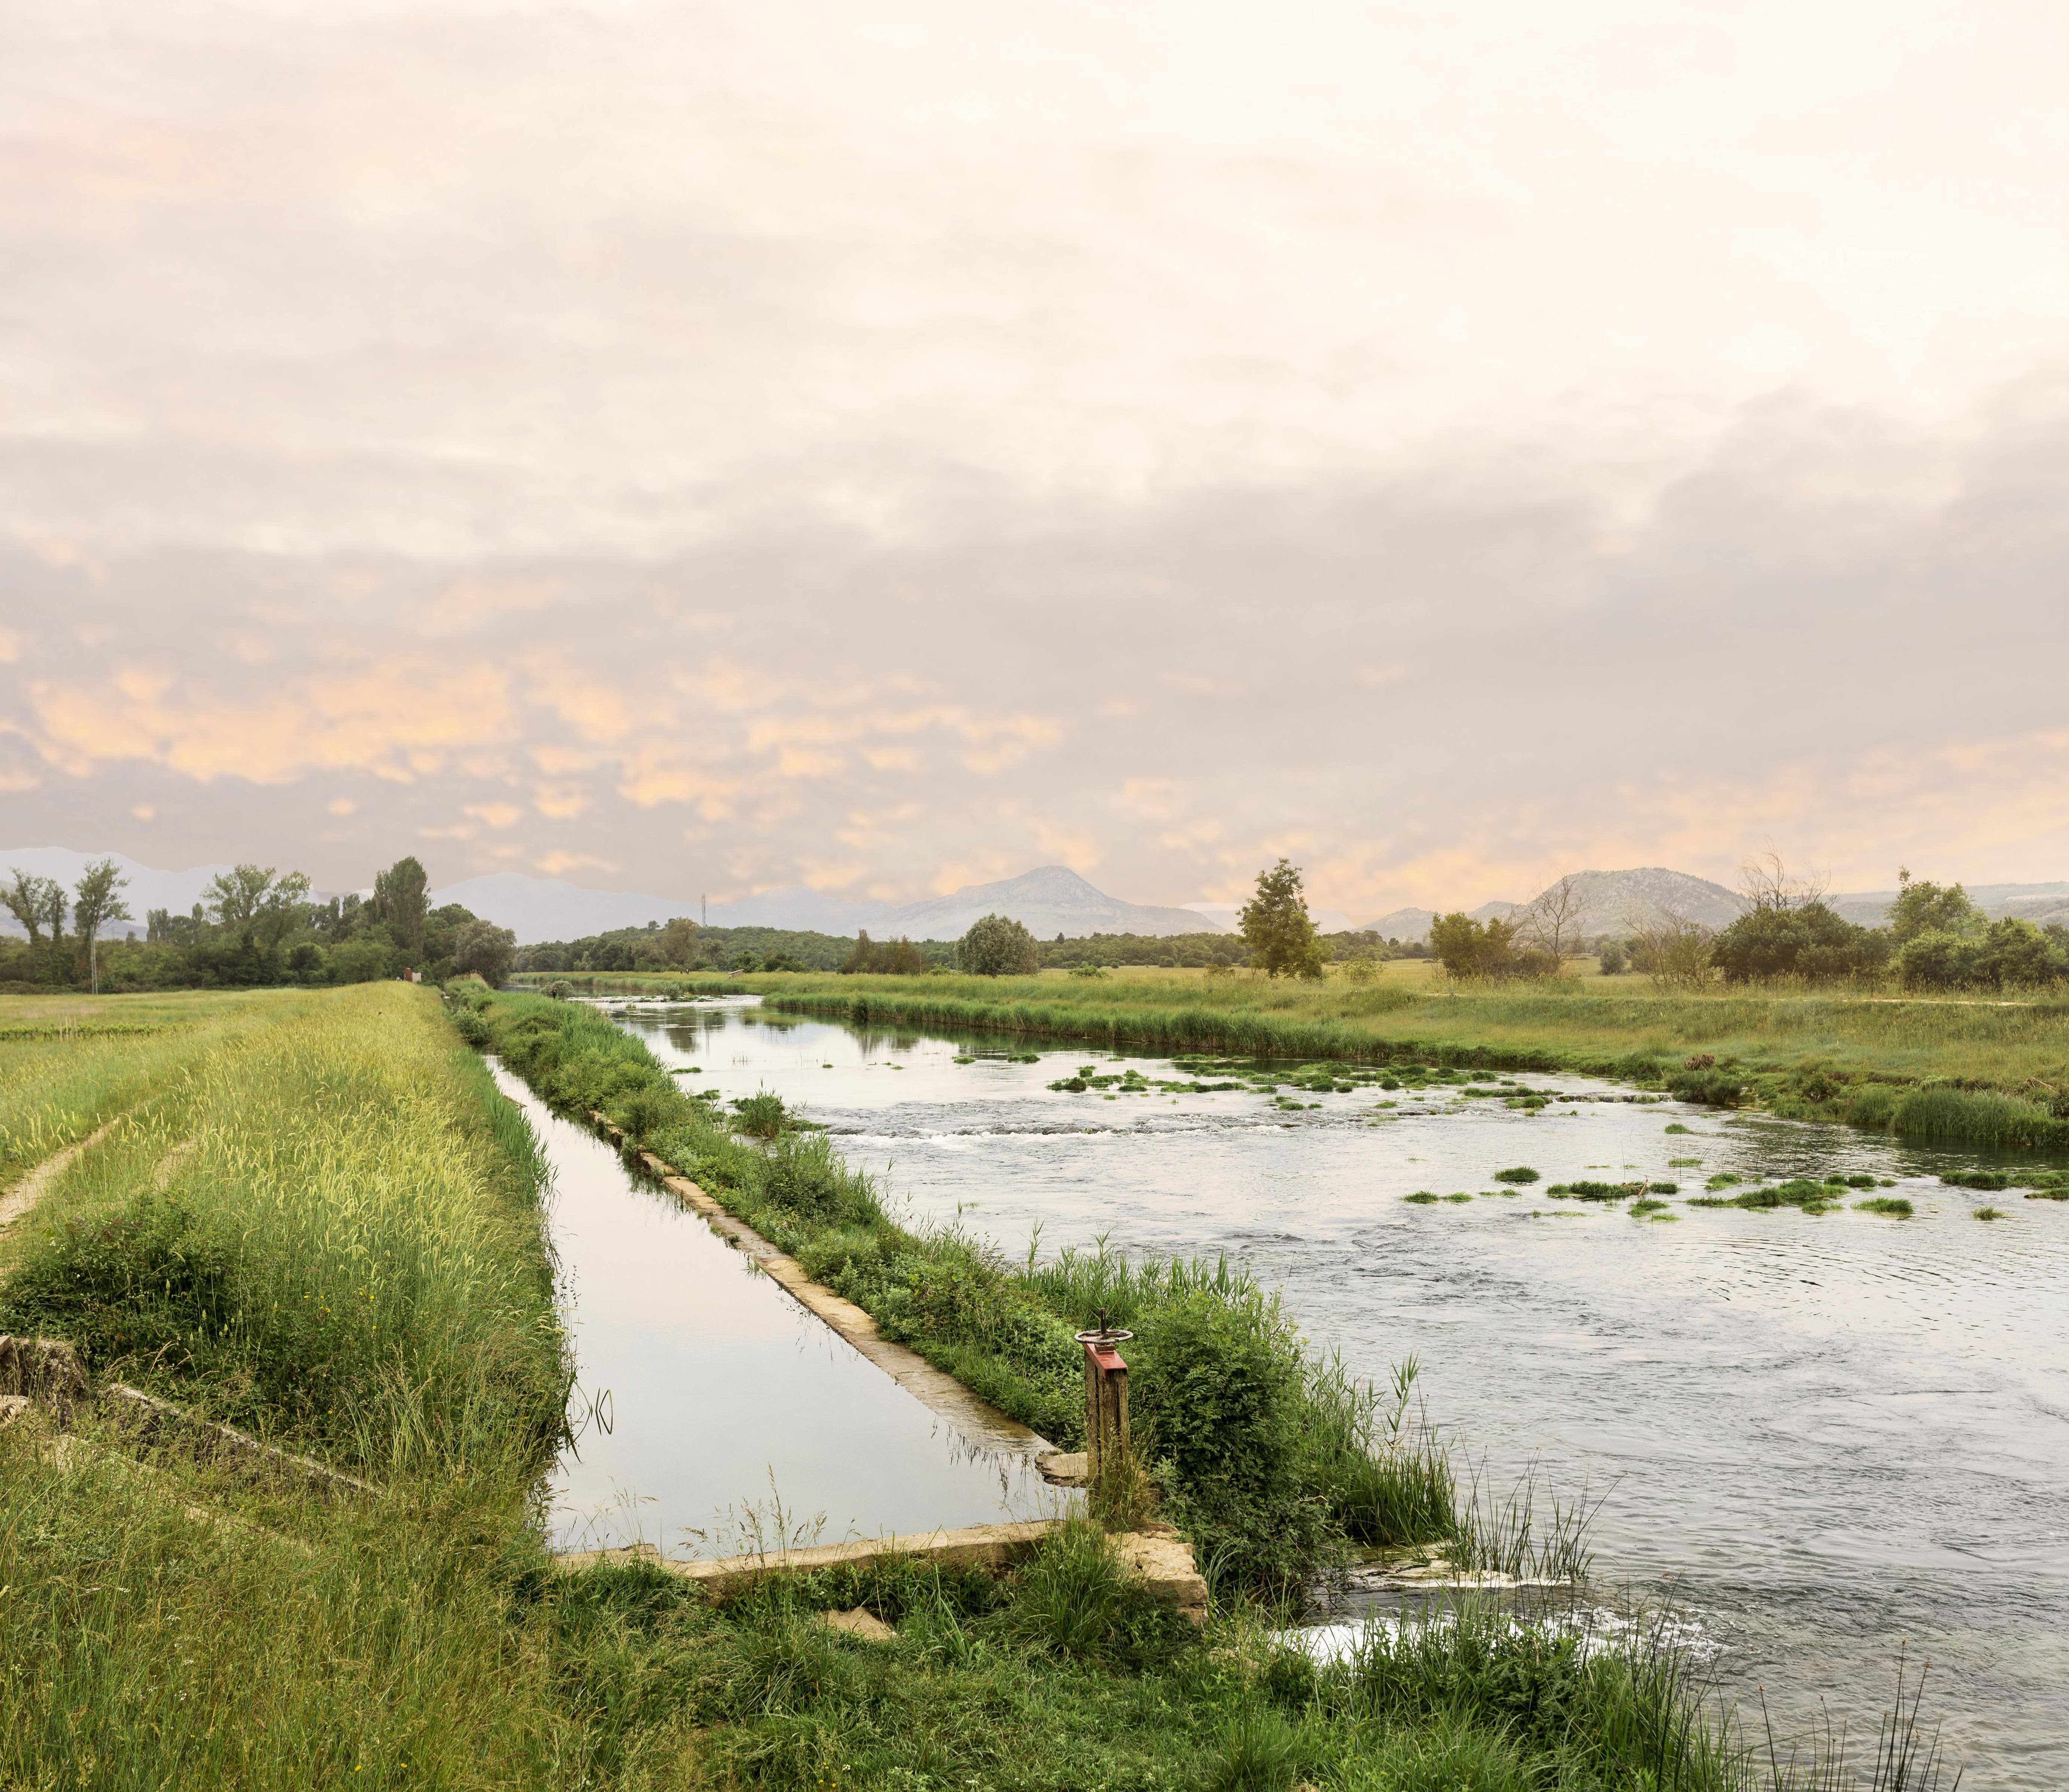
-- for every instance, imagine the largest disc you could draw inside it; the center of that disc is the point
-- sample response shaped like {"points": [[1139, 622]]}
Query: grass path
{"points": [[27, 1192]]}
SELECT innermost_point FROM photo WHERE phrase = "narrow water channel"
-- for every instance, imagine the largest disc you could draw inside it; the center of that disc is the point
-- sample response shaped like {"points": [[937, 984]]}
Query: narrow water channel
{"points": [[1830, 1435], [706, 1395]]}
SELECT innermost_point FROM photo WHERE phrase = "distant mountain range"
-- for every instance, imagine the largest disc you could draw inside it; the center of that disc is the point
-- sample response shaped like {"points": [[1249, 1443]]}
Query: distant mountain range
{"points": [[1050, 900]]}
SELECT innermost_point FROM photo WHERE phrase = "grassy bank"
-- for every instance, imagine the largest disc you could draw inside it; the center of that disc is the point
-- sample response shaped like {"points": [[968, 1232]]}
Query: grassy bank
{"points": [[1982, 1073]]}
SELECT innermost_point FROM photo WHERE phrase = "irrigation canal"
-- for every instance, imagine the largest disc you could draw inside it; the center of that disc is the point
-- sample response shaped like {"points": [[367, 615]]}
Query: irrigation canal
{"points": [[1824, 1436], [706, 1396]]}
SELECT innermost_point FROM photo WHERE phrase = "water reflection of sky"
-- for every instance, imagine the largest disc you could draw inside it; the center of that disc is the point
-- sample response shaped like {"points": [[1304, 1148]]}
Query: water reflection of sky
{"points": [[704, 1390], [1838, 1431]]}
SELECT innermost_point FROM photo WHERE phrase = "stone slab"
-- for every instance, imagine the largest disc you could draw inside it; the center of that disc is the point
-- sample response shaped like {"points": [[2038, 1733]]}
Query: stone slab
{"points": [[861, 1622]]}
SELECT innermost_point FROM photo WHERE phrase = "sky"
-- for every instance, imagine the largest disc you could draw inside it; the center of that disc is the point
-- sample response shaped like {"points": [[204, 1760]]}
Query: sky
{"points": [[699, 447]]}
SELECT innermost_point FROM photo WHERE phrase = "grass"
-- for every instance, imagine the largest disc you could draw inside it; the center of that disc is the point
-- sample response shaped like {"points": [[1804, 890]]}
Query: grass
{"points": [[70, 1062], [1894, 1205]]}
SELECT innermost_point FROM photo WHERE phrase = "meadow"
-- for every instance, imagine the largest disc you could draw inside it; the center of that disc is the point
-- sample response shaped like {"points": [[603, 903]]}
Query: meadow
{"points": [[1987, 1072], [313, 1215]]}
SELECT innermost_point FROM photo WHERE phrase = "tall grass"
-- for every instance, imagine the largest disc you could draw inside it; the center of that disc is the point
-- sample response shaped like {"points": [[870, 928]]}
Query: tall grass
{"points": [[327, 1227], [67, 1067]]}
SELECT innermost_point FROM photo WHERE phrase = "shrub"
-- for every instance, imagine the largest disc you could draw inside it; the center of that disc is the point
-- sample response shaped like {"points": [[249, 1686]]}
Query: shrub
{"points": [[997, 946], [761, 1114]]}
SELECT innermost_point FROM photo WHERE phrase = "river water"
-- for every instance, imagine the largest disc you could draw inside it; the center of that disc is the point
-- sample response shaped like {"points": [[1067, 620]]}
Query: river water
{"points": [[1829, 1435]]}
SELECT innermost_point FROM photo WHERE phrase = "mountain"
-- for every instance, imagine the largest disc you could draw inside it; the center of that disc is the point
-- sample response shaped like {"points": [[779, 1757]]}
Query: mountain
{"points": [[1051, 900], [1609, 903], [1220, 917], [147, 888]]}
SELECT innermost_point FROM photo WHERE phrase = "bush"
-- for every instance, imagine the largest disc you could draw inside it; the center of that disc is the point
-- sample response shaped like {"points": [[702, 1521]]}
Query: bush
{"points": [[997, 946]]}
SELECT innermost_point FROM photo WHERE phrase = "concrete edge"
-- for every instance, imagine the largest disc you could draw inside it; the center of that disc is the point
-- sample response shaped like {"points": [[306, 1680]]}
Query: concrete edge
{"points": [[979, 1421], [1159, 1559]]}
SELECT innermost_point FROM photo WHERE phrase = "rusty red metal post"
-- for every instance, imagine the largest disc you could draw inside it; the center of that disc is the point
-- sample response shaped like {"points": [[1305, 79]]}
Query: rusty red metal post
{"points": [[1106, 1396]]}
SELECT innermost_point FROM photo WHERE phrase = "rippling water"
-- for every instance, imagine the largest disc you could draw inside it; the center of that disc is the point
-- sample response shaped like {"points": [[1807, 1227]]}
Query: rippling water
{"points": [[1833, 1434]]}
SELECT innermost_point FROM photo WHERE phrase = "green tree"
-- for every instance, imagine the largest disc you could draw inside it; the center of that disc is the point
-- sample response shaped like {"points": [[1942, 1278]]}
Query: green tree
{"points": [[1467, 948], [96, 902], [1924, 906], [486, 949], [400, 902], [1276, 927], [1808, 941], [32, 901], [261, 906], [678, 942], [997, 946]]}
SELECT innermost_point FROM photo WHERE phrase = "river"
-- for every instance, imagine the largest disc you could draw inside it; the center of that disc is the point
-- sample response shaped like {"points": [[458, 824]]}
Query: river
{"points": [[1828, 1436]]}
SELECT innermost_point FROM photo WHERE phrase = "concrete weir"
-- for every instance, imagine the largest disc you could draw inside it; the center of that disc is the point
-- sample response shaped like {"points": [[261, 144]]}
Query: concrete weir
{"points": [[1158, 1557]]}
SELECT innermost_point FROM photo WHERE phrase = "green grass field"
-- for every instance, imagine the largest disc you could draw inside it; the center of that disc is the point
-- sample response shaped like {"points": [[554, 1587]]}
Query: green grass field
{"points": [[1989, 1073], [314, 1214]]}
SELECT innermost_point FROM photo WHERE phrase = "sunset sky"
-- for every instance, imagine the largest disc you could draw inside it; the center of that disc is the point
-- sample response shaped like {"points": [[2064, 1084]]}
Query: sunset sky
{"points": [[697, 447]]}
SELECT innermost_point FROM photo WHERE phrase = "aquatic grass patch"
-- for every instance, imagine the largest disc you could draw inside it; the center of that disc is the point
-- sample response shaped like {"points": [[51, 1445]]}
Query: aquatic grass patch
{"points": [[1987, 1212], [1893, 1207], [1522, 1174], [1800, 1192]]}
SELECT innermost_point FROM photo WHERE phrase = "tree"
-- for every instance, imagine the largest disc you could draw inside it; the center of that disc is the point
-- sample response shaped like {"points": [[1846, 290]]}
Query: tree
{"points": [[1773, 939], [1770, 885], [96, 903], [486, 949], [997, 946], [678, 942], [257, 904], [1275, 925], [1672, 949], [1924, 906], [32, 901], [400, 902], [1467, 948], [1551, 924]]}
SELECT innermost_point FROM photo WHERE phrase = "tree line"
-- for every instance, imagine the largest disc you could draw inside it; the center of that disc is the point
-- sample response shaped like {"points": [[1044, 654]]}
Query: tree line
{"points": [[254, 926], [1936, 938]]}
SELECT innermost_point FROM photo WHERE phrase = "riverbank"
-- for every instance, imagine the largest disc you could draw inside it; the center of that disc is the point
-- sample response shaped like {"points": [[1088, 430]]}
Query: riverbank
{"points": [[1988, 1074]]}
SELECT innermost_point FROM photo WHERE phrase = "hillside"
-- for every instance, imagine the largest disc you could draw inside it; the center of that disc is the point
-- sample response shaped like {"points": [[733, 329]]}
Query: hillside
{"points": [[1610, 901]]}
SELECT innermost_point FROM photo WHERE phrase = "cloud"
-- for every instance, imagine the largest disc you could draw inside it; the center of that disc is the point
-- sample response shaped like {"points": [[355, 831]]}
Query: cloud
{"points": [[721, 455]]}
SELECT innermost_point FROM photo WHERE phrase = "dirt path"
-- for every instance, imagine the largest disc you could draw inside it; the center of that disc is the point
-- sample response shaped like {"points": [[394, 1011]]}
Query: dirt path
{"points": [[27, 1192]]}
